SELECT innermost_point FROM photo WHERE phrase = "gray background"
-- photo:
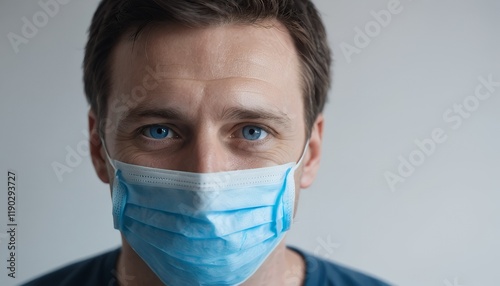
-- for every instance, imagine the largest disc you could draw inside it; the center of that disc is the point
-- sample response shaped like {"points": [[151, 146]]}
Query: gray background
{"points": [[439, 227]]}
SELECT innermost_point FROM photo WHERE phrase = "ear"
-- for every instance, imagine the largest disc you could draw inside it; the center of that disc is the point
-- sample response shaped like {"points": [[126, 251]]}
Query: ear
{"points": [[312, 159], [96, 149]]}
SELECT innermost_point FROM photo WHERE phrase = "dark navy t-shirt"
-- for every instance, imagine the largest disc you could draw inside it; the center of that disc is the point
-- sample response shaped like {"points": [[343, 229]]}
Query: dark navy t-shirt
{"points": [[100, 270]]}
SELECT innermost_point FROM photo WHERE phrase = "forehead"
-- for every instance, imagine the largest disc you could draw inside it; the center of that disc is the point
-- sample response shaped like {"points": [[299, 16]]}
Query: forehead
{"points": [[260, 51]]}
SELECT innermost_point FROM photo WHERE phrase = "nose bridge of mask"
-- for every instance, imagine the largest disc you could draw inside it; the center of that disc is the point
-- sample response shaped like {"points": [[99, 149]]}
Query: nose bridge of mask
{"points": [[111, 161]]}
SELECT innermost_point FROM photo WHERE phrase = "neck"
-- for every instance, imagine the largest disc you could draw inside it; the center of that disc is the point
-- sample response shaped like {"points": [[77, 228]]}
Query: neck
{"points": [[282, 267]]}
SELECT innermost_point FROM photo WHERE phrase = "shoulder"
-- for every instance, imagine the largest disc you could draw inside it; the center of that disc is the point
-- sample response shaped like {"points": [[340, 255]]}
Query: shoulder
{"points": [[320, 272], [97, 270]]}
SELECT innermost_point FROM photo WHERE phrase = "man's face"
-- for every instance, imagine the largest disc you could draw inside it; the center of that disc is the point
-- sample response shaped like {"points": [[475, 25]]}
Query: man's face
{"points": [[218, 98]]}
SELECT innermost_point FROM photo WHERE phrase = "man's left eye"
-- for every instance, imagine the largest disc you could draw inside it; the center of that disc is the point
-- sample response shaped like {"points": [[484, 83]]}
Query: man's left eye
{"points": [[251, 132]]}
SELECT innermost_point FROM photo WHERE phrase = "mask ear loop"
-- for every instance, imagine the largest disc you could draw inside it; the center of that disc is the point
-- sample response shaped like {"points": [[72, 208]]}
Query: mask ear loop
{"points": [[118, 193], [111, 162], [290, 191], [302, 156]]}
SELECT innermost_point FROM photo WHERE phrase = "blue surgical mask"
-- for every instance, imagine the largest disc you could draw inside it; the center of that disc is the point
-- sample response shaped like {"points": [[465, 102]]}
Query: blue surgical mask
{"points": [[203, 228]]}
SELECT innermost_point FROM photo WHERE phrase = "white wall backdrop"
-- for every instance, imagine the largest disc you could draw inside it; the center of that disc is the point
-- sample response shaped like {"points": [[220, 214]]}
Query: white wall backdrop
{"points": [[419, 78]]}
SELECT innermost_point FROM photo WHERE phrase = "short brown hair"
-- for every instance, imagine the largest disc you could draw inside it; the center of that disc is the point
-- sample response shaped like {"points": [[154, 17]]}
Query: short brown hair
{"points": [[114, 18]]}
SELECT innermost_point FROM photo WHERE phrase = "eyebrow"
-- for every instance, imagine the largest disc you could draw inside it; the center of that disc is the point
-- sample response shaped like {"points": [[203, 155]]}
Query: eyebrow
{"points": [[146, 112], [245, 113], [232, 113]]}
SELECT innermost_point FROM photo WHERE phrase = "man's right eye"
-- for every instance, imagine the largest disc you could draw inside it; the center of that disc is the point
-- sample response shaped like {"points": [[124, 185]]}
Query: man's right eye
{"points": [[158, 132]]}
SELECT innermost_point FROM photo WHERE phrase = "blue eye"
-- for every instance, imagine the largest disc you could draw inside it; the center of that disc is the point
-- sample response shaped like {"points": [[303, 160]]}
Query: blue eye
{"points": [[251, 132], [157, 132]]}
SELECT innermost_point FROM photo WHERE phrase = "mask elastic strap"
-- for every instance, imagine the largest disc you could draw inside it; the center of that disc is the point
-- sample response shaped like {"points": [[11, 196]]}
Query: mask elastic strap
{"points": [[107, 153], [302, 156], [290, 191]]}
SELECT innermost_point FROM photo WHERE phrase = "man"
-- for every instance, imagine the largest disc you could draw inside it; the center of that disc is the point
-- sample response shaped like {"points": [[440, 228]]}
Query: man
{"points": [[206, 121]]}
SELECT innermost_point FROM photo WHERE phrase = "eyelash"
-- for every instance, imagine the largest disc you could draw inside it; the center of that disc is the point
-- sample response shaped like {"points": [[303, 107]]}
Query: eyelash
{"points": [[267, 129], [270, 131], [142, 129]]}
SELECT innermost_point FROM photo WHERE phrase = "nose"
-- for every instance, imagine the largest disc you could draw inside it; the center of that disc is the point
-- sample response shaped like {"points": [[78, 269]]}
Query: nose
{"points": [[206, 154]]}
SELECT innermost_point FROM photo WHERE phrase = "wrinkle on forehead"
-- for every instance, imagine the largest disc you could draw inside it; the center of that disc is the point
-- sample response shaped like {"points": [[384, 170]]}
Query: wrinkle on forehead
{"points": [[214, 45]]}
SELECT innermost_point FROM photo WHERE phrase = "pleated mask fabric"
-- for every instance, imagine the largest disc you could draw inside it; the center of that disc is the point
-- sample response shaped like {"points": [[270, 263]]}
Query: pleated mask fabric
{"points": [[203, 228]]}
